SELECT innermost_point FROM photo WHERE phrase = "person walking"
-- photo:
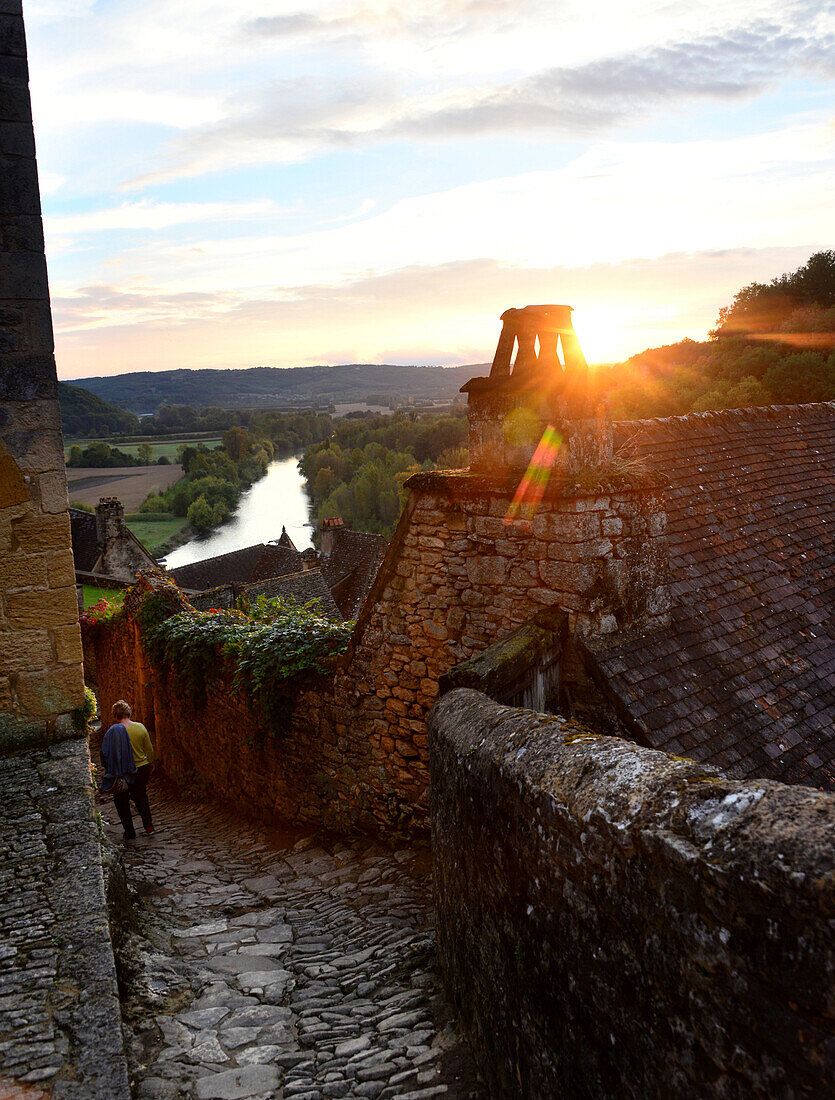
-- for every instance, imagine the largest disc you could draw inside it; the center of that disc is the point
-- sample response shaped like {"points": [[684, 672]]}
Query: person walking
{"points": [[119, 767], [143, 754]]}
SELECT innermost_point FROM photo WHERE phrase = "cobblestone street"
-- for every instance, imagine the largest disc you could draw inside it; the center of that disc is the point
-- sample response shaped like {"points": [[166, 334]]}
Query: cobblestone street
{"points": [[273, 964]]}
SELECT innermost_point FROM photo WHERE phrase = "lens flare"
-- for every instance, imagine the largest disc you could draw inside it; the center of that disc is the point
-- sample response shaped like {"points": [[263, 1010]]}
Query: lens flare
{"points": [[532, 486]]}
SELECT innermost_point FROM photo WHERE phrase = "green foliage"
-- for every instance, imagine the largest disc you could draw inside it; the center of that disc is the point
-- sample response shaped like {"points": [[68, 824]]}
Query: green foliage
{"points": [[101, 456], [271, 645], [359, 473], [86, 415], [83, 715]]}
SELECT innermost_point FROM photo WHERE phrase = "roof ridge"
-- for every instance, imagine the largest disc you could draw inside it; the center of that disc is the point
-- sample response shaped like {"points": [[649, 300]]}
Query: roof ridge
{"points": [[721, 418]]}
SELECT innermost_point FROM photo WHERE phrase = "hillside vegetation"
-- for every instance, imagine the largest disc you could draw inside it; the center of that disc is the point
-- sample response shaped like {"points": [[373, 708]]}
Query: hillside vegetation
{"points": [[85, 415], [775, 344], [257, 387], [360, 471]]}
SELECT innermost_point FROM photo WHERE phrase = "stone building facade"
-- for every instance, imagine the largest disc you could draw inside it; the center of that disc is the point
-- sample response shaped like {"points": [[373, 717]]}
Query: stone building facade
{"points": [[40, 647]]}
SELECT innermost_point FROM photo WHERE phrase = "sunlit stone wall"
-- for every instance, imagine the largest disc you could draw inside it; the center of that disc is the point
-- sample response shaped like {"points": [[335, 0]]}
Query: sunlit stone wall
{"points": [[40, 647]]}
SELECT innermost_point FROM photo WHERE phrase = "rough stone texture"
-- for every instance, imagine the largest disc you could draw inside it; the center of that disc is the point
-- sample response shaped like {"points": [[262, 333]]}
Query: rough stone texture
{"points": [[270, 960], [743, 676], [456, 578], [37, 591], [122, 554], [616, 922], [60, 1028]]}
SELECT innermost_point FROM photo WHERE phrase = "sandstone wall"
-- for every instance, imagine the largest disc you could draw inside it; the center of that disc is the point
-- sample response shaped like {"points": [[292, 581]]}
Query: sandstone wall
{"points": [[217, 746], [455, 580], [40, 649], [616, 922]]}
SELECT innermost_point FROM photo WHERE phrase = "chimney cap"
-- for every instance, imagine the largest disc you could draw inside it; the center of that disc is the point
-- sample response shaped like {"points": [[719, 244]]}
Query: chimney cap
{"points": [[334, 521]]}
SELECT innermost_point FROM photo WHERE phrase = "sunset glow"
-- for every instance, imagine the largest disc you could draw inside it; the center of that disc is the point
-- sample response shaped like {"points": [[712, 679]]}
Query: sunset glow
{"points": [[335, 182]]}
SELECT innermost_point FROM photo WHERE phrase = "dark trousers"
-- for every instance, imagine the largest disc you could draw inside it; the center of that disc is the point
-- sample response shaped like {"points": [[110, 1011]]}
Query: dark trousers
{"points": [[138, 794]]}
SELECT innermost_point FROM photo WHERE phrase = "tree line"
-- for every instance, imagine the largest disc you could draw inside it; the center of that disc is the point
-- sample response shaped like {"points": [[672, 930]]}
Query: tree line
{"points": [[359, 473], [773, 345]]}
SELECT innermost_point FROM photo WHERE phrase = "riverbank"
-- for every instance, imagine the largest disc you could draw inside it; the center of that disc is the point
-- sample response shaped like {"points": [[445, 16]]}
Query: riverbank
{"points": [[278, 499]]}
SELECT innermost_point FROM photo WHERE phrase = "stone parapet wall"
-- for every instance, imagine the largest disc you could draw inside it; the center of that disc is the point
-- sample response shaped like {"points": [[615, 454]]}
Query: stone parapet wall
{"points": [[616, 922], [40, 649], [59, 1011]]}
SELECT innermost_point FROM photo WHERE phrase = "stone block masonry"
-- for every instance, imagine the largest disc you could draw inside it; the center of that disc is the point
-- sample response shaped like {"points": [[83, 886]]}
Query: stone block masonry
{"points": [[354, 752], [614, 922], [40, 646]]}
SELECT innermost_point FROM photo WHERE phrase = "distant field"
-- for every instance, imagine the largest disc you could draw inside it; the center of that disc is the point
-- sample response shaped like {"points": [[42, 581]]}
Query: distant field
{"points": [[165, 447], [131, 484], [153, 532]]}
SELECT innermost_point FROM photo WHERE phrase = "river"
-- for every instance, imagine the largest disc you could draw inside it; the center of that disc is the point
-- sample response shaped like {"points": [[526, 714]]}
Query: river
{"points": [[277, 498]]}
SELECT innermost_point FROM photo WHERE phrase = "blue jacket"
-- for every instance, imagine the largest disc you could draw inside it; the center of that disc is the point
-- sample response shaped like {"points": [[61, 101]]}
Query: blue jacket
{"points": [[117, 757]]}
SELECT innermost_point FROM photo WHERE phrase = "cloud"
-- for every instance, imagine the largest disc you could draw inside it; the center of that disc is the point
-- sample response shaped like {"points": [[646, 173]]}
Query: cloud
{"points": [[294, 120], [445, 313], [156, 216]]}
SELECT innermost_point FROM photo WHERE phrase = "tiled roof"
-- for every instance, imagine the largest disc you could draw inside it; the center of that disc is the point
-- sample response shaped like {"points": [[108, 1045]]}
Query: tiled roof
{"points": [[351, 567], [744, 676], [277, 560], [301, 587], [223, 569], [85, 548], [285, 540]]}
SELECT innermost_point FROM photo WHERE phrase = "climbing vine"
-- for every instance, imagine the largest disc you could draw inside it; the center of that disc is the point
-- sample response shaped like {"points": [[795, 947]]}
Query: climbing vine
{"points": [[270, 644]]}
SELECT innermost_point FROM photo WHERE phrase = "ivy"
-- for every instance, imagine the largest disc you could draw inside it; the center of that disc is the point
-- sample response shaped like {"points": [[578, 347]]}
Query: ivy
{"points": [[271, 645]]}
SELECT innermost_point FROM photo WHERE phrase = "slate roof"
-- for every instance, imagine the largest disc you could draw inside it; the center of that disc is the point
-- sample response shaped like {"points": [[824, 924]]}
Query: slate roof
{"points": [[744, 676], [237, 565], [85, 548], [351, 567], [301, 587], [285, 540], [277, 560]]}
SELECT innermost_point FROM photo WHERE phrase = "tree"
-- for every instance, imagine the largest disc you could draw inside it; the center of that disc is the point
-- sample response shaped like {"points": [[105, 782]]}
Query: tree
{"points": [[200, 514], [237, 443], [146, 453], [75, 456]]}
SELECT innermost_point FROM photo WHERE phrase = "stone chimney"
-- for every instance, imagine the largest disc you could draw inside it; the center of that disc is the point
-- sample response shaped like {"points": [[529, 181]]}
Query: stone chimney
{"points": [[121, 555], [329, 529], [546, 384]]}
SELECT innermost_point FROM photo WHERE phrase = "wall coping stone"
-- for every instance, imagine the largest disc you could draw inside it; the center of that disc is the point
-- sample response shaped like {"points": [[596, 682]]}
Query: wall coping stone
{"points": [[496, 668], [461, 483]]}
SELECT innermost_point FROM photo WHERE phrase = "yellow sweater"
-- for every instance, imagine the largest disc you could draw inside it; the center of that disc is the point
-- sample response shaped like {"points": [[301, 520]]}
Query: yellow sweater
{"points": [[140, 742]]}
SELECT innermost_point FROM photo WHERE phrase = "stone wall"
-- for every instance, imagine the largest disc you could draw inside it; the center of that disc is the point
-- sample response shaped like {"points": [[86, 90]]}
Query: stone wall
{"points": [[218, 746], [456, 579], [616, 922], [40, 648]]}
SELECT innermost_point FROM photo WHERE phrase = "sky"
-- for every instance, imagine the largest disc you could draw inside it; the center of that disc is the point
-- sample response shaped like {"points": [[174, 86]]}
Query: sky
{"points": [[330, 181]]}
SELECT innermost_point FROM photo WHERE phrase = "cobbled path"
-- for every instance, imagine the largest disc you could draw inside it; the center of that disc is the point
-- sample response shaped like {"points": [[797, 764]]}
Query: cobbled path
{"points": [[280, 965]]}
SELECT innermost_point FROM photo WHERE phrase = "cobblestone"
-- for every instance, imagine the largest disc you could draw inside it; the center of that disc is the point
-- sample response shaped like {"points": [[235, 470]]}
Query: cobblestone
{"points": [[272, 964], [59, 1010]]}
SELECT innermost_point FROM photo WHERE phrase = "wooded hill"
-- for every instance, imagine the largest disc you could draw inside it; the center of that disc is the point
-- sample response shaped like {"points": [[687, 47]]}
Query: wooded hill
{"points": [[84, 415], [145, 391], [774, 345]]}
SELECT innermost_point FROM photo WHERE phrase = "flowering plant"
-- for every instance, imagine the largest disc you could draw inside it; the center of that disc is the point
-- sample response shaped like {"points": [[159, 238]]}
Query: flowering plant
{"points": [[103, 611]]}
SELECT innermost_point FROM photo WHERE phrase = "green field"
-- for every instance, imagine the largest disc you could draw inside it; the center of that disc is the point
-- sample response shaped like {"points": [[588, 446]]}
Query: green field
{"points": [[92, 595], [153, 532], [166, 447]]}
